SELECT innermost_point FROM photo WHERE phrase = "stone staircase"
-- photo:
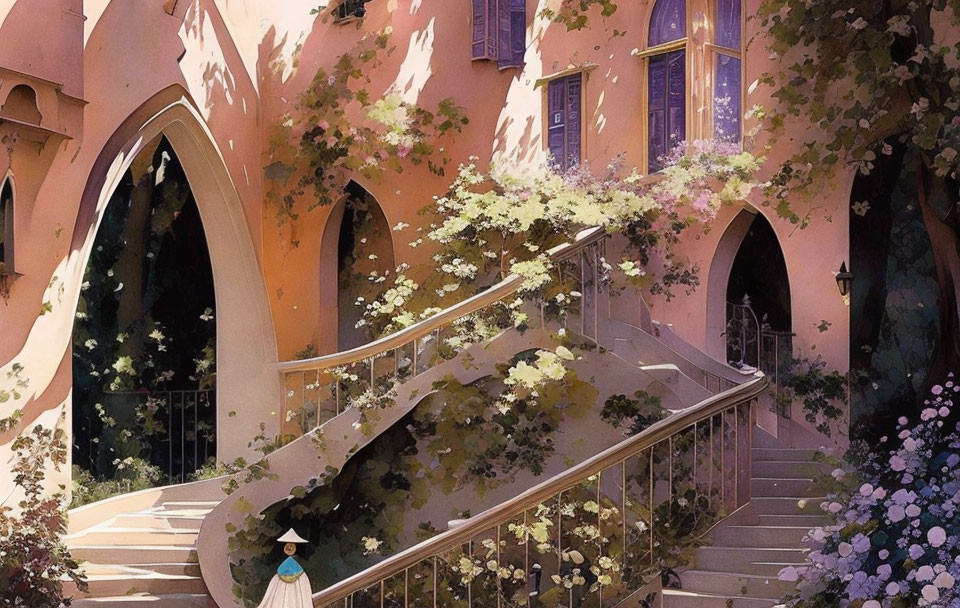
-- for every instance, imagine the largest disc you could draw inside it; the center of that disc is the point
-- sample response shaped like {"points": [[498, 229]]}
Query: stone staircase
{"points": [[739, 570], [142, 559]]}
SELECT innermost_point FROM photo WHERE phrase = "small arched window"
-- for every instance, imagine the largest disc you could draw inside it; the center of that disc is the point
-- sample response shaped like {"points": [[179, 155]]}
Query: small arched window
{"points": [[715, 82], [6, 225]]}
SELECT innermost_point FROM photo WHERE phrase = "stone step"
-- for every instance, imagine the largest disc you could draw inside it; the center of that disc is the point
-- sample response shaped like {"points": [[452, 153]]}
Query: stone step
{"points": [[108, 585], [135, 536], [157, 521], [787, 505], [787, 468], [187, 568], [676, 598], [724, 583], [778, 486], [199, 507], [760, 536], [748, 560], [783, 454], [133, 555], [145, 600], [807, 521]]}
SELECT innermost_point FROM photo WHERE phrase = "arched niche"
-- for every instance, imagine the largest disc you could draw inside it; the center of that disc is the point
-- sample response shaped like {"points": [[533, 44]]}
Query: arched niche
{"points": [[21, 104], [355, 230]]}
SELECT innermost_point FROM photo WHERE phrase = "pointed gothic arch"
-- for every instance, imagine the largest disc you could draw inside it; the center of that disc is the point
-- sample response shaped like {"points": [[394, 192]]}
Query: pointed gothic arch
{"points": [[749, 261], [249, 387]]}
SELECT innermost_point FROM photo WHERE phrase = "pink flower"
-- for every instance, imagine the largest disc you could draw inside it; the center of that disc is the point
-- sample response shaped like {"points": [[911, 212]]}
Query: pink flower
{"points": [[897, 463], [936, 536]]}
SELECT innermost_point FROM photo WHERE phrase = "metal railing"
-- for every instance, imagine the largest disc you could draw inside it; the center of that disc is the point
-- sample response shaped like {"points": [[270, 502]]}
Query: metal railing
{"points": [[185, 435], [585, 537], [743, 335], [318, 389]]}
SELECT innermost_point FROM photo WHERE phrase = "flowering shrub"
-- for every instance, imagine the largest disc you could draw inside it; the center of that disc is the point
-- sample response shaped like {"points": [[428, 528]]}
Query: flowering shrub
{"points": [[35, 562], [895, 538]]}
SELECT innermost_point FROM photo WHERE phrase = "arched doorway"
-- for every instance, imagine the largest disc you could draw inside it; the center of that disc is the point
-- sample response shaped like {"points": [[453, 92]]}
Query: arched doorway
{"points": [[248, 386], [356, 259], [749, 317], [759, 319], [144, 363]]}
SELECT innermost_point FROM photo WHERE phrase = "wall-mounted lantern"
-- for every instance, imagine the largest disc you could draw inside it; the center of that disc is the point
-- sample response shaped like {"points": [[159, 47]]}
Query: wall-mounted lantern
{"points": [[844, 281]]}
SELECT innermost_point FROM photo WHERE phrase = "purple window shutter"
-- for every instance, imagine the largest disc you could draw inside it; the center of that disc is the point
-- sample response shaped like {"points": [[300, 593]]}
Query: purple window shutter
{"points": [[728, 24], [518, 36], [480, 22], [556, 92], [657, 111], [504, 50], [668, 22], [493, 46], [572, 128]]}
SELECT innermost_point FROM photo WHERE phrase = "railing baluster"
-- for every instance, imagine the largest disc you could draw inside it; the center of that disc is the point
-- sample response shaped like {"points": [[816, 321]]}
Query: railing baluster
{"points": [[736, 457], [650, 516]]}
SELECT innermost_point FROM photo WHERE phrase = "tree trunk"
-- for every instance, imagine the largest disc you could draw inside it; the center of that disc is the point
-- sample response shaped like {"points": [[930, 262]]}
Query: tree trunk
{"points": [[938, 198]]}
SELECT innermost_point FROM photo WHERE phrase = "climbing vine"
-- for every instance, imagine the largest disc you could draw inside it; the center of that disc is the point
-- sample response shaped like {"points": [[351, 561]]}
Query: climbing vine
{"points": [[340, 129]]}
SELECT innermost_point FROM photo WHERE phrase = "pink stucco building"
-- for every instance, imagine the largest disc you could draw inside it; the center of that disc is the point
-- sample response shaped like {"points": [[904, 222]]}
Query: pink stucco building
{"points": [[87, 85]]}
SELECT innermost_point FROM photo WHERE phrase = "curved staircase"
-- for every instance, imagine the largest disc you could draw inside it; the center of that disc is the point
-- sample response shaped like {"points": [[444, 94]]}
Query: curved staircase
{"points": [[147, 549]]}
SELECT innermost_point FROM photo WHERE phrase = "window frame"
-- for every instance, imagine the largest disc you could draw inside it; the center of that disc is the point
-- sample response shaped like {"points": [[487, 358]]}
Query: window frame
{"points": [[701, 60], [544, 83]]}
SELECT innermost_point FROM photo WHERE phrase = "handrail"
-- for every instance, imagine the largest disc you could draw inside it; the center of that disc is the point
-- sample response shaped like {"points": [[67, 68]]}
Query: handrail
{"points": [[423, 328], [502, 513]]}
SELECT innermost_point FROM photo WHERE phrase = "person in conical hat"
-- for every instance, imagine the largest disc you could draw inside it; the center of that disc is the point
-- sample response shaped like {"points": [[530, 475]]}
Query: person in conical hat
{"points": [[290, 587]]}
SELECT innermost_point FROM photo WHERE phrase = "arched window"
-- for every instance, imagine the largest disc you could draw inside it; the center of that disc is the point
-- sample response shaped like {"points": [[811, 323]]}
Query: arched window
{"points": [[715, 82], [666, 80], [6, 224]]}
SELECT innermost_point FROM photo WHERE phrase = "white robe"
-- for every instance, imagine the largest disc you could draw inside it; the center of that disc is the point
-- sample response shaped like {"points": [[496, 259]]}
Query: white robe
{"points": [[281, 594]]}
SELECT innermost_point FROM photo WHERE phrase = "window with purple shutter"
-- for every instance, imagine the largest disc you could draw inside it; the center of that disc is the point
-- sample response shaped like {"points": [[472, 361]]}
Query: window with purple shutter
{"points": [[668, 22], [666, 106], [564, 119], [728, 80], [726, 99], [500, 31], [666, 82]]}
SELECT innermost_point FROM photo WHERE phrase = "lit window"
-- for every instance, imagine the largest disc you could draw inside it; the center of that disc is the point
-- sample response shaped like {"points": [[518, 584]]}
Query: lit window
{"points": [[564, 119], [500, 31], [669, 47], [728, 76]]}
